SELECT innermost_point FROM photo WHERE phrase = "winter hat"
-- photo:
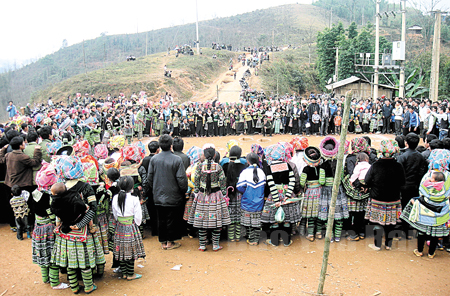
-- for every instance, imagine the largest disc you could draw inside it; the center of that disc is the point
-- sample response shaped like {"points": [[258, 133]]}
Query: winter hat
{"points": [[329, 147]]}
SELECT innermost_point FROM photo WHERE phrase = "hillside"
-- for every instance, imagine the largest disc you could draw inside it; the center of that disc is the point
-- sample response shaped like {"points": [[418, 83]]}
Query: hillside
{"points": [[281, 25], [190, 74]]}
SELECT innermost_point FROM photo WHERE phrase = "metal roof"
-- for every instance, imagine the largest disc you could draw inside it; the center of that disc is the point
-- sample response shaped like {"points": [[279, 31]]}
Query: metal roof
{"points": [[338, 84], [415, 27], [354, 79]]}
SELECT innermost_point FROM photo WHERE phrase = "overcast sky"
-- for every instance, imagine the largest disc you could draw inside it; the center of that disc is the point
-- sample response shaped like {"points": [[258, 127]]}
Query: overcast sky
{"points": [[33, 29]]}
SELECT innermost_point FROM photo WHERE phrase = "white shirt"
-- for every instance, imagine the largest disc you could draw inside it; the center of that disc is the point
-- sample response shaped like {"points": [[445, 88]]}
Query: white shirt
{"points": [[423, 113], [299, 161], [132, 208]]}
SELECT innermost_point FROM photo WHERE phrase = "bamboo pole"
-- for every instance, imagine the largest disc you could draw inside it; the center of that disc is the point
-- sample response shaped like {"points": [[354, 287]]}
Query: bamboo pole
{"points": [[337, 181]]}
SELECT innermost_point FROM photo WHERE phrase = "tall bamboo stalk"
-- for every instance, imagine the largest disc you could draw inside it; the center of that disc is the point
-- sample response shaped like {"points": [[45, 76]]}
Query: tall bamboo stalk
{"points": [[337, 181]]}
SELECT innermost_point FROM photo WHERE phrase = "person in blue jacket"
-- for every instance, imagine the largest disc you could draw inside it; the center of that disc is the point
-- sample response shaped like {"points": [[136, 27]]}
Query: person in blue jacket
{"points": [[251, 184], [11, 109]]}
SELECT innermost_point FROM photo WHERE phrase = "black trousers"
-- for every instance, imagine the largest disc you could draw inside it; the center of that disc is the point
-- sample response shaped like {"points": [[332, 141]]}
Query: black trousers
{"points": [[169, 223], [388, 233], [386, 125]]}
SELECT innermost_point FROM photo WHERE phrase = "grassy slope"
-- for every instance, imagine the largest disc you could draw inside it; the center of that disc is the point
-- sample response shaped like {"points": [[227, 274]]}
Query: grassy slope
{"points": [[190, 73]]}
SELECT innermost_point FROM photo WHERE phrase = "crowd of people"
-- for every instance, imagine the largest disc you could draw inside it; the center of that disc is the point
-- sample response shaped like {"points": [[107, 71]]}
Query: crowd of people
{"points": [[76, 154]]}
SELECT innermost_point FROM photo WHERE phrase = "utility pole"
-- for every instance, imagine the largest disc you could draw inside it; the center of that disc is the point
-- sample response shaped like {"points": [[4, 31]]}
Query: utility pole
{"points": [[196, 25], [434, 77], [377, 51], [336, 67], [401, 91]]}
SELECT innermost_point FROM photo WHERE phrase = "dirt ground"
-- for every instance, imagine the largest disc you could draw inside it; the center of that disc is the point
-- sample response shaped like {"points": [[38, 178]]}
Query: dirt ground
{"points": [[239, 269]]}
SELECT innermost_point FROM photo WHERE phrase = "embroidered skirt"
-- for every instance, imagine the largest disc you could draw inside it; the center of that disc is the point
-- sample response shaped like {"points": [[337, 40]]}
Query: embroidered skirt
{"points": [[102, 231], [292, 211], [188, 207], [234, 207], [351, 191], [341, 211], [250, 219], [128, 243], [42, 243], [145, 214], [435, 231], [310, 207], [383, 213], [76, 254], [111, 231], [209, 211]]}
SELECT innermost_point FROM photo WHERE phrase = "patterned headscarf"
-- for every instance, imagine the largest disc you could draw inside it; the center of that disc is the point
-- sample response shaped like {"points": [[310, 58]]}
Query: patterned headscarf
{"points": [[360, 145], [439, 159], [299, 143], [275, 152], [288, 150], [389, 148], [232, 143], [256, 148], [346, 146], [194, 154]]}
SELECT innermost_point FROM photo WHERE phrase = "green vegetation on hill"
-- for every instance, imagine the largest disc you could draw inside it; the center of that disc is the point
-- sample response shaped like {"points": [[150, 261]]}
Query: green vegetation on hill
{"points": [[190, 73]]}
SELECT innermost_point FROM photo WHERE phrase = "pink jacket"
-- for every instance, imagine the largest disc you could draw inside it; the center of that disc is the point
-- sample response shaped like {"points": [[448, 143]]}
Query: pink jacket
{"points": [[360, 171]]}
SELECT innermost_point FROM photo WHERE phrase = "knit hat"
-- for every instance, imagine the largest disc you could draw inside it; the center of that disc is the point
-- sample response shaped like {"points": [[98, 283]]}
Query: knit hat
{"points": [[439, 159], [360, 145], [329, 147], [312, 156], [389, 148]]}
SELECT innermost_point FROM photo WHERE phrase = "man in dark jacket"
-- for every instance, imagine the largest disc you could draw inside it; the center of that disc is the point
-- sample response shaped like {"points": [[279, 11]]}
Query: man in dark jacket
{"points": [[313, 107], [415, 167], [19, 168], [167, 178], [387, 112]]}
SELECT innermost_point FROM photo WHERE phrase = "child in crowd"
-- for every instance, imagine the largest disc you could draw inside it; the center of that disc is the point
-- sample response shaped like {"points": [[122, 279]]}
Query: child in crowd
{"points": [[338, 122], [251, 184], [20, 208], [68, 206], [360, 171], [315, 123]]}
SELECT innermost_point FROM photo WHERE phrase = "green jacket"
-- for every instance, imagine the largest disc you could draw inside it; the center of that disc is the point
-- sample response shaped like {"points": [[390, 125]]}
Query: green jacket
{"points": [[29, 150]]}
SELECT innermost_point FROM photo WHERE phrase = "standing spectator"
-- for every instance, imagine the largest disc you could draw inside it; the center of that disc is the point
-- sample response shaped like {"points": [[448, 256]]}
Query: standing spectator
{"points": [[313, 107], [19, 166], [415, 167], [11, 109], [167, 179], [387, 112], [325, 116], [398, 112], [178, 145], [414, 121]]}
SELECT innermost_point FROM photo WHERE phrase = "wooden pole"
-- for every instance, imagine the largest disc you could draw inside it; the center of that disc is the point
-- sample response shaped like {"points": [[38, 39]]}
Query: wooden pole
{"points": [[434, 76], [336, 183]]}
